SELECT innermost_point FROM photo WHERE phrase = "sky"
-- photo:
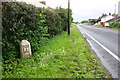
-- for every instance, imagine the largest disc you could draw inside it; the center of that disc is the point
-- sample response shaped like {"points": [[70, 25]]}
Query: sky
{"points": [[86, 9]]}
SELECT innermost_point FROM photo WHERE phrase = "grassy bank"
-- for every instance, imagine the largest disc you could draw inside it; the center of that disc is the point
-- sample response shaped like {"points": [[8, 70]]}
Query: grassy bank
{"points": [[62, 57]]}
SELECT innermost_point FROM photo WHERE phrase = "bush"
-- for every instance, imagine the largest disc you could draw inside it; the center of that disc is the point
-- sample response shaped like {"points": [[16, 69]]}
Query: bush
{"points": [[21, 21], [53, 21], [114, 25], [85, 21], [64, 17], [57, 20]]}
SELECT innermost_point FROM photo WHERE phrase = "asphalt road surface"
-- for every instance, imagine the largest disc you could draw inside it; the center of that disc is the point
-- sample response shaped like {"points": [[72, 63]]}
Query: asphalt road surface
{"points": [[104, 43]]}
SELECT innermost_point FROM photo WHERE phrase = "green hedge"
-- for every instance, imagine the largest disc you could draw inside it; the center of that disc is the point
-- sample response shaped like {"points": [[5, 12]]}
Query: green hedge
{"points": [[57, 20], [114, 24], [63, 12], [24, 21], [21, 21], [53, 21]]}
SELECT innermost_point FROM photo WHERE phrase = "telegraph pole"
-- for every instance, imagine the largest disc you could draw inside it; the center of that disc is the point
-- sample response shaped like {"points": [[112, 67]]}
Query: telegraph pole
{"points": [[68, 17], [115, 8]]}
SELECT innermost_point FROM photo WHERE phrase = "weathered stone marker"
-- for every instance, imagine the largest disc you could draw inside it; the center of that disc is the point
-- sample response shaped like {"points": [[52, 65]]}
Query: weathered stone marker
{"points": [[25, 49]]}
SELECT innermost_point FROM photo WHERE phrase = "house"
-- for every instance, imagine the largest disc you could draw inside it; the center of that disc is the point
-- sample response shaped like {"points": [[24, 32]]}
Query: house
{"points": [[105, 19], [6, 0], [33, 2]]}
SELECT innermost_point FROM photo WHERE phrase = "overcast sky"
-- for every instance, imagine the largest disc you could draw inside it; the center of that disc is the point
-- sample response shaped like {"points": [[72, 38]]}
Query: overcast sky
{"points": [[86, 9]]}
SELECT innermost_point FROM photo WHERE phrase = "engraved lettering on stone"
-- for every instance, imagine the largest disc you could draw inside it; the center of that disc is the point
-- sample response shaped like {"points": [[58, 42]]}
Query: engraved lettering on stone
{"points": [[25, 49]]}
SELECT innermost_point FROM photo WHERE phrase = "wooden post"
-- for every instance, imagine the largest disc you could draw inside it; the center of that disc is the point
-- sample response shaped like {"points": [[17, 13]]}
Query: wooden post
{"points": [[68, 17]]}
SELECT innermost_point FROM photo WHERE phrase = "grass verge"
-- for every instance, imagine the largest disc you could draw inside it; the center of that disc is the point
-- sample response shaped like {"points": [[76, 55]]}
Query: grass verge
{"points": [[98, 26], [62, 57], [110, 27]]}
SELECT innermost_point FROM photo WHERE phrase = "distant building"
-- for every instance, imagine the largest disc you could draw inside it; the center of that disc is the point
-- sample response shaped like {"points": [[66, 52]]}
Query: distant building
{"points": [[106, 19], [119, 8], [6, 0], [33, 2]]}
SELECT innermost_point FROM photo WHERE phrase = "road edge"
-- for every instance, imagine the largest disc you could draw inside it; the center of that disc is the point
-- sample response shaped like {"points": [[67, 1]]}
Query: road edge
{"points": [[107, 72]]}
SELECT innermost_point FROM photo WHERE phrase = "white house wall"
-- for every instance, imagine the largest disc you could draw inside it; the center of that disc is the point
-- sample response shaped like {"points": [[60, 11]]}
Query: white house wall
{"points": [[107, 18], [33, 2], [6, 0]]}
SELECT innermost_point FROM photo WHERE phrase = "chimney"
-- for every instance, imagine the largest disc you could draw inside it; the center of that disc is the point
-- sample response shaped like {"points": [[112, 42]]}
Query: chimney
{"points": [[43, 2], [109, 13]]}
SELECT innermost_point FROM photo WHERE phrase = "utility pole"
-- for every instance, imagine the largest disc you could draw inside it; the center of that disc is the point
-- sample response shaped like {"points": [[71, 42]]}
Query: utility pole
{"points": [[115, 8], [68, 17]]}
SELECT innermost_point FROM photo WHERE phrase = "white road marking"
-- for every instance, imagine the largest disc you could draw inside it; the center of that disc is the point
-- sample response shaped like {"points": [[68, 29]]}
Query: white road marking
{"points": [[110, 52]]}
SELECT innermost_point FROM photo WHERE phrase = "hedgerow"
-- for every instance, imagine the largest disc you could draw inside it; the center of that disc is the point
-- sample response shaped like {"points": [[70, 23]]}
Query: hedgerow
{"points": [[114, 24], [24, 21]]}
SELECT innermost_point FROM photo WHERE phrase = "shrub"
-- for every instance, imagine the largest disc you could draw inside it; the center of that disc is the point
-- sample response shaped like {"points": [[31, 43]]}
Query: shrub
{"points": [[21, 21], [85, 21], [64, 17], [57, 20], [114, 25], [53, 21]]}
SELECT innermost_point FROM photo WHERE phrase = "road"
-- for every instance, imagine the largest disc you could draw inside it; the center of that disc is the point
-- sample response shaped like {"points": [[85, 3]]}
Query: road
{"points": [[104, 42]]}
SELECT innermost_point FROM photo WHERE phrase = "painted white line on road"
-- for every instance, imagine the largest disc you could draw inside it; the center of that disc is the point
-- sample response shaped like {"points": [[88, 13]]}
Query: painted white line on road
{"points": [[111, 53]]}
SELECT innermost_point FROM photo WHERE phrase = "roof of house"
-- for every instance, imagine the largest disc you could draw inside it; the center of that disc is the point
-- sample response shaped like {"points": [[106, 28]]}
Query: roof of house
{"points": [[107, 18], [33, 2]]}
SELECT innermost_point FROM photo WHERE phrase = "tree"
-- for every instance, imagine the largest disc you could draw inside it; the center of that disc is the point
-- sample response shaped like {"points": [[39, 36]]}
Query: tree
{"points": [[85, 21]]}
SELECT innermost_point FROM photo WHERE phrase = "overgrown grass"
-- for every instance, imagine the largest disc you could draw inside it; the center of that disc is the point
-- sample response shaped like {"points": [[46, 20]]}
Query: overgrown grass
{"points": [[111, 27], [114, 25], [62, 57]]}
